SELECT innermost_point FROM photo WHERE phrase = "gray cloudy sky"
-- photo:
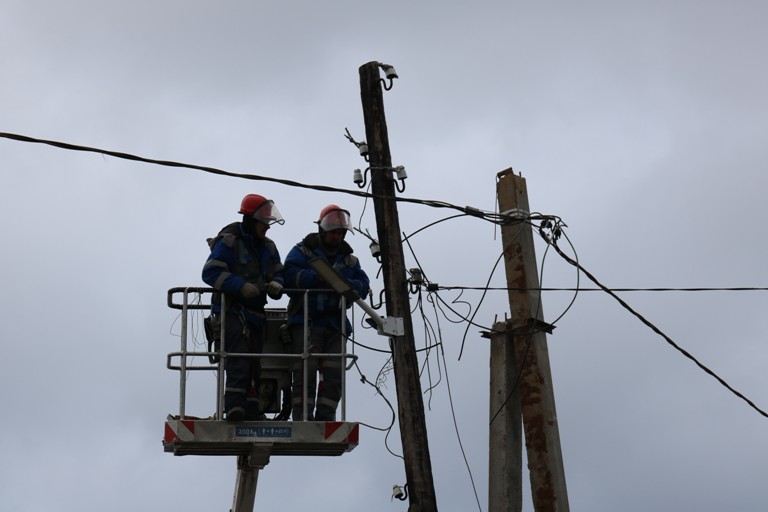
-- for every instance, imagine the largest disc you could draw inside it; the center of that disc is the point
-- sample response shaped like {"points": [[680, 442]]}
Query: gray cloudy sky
{"points": [[642, 124]]}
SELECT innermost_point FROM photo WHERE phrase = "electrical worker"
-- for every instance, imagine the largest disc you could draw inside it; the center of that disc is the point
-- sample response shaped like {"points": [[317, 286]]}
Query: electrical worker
{"points": [[245, 266], [324, 312]]}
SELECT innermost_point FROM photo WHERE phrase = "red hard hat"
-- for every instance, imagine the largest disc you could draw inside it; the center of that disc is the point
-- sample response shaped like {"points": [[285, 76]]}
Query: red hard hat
{"points": [[334, 217], [251, 203], [261, 209]]}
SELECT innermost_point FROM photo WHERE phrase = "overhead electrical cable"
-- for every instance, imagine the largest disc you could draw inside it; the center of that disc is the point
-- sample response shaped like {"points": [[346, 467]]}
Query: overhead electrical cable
{"points": [[213, 170], [552, 240], [580, 289]]}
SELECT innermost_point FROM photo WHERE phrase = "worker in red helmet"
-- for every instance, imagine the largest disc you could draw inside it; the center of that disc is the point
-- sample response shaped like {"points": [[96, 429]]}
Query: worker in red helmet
{"points": [[261, 209], [245, 266], [328, 323]]}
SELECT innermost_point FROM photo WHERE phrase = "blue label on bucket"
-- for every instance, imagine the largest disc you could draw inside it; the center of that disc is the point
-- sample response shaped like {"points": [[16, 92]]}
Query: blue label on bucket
{"points": [[250, 431]]}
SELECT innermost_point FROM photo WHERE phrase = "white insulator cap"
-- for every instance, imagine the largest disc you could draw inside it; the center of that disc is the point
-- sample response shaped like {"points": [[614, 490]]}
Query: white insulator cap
{"points": [[375, 249]]}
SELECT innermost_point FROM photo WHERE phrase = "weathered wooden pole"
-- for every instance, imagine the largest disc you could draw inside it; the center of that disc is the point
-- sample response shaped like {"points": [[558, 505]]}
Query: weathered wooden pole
{"points": [[410, 405]]}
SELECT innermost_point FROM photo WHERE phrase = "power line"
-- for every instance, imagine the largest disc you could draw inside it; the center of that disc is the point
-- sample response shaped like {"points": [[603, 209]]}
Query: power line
{"points": [[489, 216], [551, 239], [579, 289]]}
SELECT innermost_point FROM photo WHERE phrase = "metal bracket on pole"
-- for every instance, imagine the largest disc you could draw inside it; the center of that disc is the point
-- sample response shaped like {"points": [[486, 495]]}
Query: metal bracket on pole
{"points": [[533, 326], [391, 326]]}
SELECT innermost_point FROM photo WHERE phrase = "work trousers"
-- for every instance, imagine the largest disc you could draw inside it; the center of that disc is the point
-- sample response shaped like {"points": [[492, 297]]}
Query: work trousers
{"points": [[322, 340], [242, 374]]}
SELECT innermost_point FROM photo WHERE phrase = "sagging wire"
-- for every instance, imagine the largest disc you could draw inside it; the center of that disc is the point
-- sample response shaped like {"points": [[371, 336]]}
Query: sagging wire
{"points": [[439, 340], [388, 429], [417, 280], [441, 352], [362, 214], [431, 287], [456, 427], [374, 245], [551, 234], [366, 347], [556, 224], [480, 302], [582, 290], [385, 370], [489, 216], [472, 311], [493, 217], [461, 318], [381, 350], [376, 386], [432, 224], [535, 316], [429, 336], [578, 280]]}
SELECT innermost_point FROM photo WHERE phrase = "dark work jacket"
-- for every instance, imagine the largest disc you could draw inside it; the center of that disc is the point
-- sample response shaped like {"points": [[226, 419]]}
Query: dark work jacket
{"points": [[236, 258], [324, 307]]}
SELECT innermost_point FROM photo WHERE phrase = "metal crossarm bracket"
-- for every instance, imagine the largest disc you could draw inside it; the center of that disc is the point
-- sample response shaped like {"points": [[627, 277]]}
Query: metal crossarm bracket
{"points": [[391, 326]]}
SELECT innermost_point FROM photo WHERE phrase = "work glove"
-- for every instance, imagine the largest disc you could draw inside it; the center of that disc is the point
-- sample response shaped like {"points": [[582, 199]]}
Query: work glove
{"points": [[249, 291], [274, 289]]}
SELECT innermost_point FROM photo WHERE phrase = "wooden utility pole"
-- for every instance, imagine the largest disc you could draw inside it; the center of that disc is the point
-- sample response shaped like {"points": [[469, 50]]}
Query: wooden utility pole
{"points": [[528, 332], [410, 405]]}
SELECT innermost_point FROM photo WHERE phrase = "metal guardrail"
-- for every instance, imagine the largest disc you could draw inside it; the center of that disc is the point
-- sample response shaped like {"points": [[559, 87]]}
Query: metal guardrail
{"points": [[273, 315]]}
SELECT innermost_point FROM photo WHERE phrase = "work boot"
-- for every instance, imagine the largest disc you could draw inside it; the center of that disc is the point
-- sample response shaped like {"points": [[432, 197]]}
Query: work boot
{"points": [[236, 413]]}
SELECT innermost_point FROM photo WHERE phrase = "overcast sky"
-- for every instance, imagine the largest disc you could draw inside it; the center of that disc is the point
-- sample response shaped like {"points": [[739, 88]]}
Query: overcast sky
{"points": [[643, 125]]}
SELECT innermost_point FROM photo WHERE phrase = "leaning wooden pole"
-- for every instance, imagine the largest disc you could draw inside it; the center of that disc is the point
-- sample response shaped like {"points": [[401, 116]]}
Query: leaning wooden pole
{"points": [[410, 405]]}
